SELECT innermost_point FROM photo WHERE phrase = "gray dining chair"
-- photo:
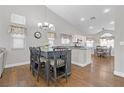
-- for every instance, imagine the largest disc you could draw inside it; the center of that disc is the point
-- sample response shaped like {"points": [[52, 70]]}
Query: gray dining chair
{"points": [[36, 64], [58, 65], [31, 59]]}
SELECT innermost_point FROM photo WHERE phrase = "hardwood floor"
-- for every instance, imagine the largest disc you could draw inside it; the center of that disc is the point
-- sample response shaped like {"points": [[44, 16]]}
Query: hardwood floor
{"points": [[99, 73]]}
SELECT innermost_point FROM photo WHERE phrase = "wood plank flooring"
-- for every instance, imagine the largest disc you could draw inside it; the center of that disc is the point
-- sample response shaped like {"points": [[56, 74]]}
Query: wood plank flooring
{"points": [[98, 74]]}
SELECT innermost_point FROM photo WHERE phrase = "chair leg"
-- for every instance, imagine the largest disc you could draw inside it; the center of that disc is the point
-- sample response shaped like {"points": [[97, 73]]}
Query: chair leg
{"points": [[66, 78], [66, 74], [33, 72], [37, 78], [38, 73], [32, 68], [55, 76]]}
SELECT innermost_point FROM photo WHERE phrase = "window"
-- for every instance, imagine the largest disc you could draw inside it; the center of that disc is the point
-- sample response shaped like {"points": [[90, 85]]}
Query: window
{"points": [[51, 38], [51, 41], [18, 41], [15, 18], [89, 43], [66, 39], [17, 31], [107, 40], [108, 43]]}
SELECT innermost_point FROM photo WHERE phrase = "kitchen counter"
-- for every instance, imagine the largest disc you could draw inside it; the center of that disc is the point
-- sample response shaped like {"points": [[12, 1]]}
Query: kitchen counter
{"points": [[73, 47], [81, 56], [80, 48]]}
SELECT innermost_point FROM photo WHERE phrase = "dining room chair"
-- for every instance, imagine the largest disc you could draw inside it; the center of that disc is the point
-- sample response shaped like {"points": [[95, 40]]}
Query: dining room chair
{"points": [[36, 64], [31, 59], [58, 65]]}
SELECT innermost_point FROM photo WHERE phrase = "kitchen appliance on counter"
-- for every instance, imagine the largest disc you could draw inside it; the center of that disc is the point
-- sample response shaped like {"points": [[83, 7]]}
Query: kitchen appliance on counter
{"points": [[2, 60]]}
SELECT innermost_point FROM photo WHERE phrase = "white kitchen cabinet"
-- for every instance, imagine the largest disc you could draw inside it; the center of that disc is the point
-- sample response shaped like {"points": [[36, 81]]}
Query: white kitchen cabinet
{"points": [[80, 39]]}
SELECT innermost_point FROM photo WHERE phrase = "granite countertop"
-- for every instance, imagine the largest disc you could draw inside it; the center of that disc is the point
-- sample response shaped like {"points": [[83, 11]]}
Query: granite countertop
{"points": [[73, 47], [80, 48]]}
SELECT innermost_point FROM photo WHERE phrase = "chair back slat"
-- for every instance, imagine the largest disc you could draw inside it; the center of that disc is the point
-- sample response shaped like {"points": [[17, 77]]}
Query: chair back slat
{"points": [[35, 54], [60, 53]]}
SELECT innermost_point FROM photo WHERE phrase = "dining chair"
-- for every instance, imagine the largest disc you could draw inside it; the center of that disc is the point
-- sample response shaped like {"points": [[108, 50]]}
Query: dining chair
{"points": [[31, 59], [58, 65], [36, 65]]}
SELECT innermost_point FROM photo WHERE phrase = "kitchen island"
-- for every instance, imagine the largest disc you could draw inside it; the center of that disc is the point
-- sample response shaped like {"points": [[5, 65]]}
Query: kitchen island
{"points": [[81, 56]]}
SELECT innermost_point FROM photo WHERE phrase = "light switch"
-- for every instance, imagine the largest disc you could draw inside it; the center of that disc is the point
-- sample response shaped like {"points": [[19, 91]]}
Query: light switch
{"points": [[122, 43]]}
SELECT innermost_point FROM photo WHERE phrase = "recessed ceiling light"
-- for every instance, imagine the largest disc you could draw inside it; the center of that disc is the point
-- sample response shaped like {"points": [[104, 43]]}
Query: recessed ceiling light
{"points": [[91, 27], [106, 10], [112, 22], [82, 19]]}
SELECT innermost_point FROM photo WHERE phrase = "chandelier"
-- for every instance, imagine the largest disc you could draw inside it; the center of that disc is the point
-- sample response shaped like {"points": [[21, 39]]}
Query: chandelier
{"points": [[46, 26]]}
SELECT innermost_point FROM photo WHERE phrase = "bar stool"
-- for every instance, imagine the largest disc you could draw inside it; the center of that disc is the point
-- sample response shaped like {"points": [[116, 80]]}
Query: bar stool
{"points": [[36, 64], [58, 65]]}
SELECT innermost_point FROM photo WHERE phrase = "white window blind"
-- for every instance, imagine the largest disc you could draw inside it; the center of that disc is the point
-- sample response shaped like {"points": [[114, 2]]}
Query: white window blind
{"points": [[18, 41]]}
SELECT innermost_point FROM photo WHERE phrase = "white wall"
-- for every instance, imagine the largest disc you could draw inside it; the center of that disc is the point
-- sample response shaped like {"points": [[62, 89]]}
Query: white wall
{"points": [[119, 36], [33, 14]]}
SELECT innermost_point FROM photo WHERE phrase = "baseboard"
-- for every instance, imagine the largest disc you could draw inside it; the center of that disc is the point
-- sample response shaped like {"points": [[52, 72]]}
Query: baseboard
{"points": [[17, 64], [79, 64], [28, 62], [120, 74]]}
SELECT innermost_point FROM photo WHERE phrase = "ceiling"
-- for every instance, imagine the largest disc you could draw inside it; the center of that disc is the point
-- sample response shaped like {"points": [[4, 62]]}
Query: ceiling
{"points": [[74, 13]]}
